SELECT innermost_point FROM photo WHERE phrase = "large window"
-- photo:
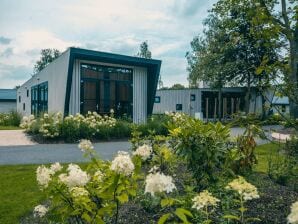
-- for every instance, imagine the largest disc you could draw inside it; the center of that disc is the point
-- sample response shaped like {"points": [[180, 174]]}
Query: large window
{"points": [[39, 99], [104, 88]]}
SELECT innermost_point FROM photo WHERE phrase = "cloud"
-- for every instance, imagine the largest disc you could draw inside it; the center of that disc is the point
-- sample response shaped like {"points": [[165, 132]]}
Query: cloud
{"points": [[4, 40], [113, 26], [7, 52]]}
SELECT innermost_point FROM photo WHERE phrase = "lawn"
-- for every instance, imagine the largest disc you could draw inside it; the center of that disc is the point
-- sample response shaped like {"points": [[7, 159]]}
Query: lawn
{"points": [[263, 153], [9, 128], [19, 192]]}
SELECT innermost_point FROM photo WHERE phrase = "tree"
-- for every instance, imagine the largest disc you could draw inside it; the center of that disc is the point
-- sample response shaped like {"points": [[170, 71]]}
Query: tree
{"points": [[47, 56], [250, 51], [228, 53], [144, 50], [177, 86], [279, 21]]}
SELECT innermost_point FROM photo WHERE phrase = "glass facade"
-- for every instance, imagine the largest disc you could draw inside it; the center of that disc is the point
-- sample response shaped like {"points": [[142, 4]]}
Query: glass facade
{"points": [[104, 88], [39, 99]]}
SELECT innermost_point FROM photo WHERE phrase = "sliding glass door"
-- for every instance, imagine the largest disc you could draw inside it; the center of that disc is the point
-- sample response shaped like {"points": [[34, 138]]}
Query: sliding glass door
{"points": [[104, 88]]}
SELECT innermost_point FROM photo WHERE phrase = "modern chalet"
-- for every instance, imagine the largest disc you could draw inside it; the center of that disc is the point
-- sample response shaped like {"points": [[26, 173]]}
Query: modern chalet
{"points": [[83, 80]]}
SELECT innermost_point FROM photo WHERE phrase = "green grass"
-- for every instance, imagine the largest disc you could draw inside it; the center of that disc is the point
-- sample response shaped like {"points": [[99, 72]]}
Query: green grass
{"points": [[19, 192], [9, 128], [263, 153]]}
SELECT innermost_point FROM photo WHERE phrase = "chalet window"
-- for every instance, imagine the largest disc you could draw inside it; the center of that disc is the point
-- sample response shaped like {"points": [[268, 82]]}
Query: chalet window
{"points": [[19, 99], [39, 99], [27, 92], [179, 107], [157, 99], [24, 106], [192, 97]]}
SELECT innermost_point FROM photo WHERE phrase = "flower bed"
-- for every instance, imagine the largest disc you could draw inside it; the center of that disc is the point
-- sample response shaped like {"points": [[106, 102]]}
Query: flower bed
{"points": [[166, 179]]}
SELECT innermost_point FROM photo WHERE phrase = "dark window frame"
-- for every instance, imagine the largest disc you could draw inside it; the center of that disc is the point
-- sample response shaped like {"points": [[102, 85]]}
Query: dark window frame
{"points": [[39, 98], [179, 107], [157, 99], [192, 97], [20, 99], [27, 92]]}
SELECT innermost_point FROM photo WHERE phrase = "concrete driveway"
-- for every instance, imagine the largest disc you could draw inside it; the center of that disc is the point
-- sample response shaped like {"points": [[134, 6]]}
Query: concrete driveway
{"points": [[14, 137], [66, 153]]}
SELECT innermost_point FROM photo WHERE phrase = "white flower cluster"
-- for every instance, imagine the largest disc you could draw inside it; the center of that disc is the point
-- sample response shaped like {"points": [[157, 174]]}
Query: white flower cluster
{"points": [[44, 174], [92, 120], [85, 145], [158, 182], [98, 176], [244, 189], [204, 199], [143, 151], [122, 164], [4, 118], [293, 216], [50, 125], [79, 192], [40, 211], [177, 117], [75, 177], [28, 122]]}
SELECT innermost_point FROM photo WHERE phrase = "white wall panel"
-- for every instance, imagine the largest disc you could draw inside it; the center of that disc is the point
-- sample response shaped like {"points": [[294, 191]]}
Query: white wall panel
{"points": [[56, 76], [139, 95]]}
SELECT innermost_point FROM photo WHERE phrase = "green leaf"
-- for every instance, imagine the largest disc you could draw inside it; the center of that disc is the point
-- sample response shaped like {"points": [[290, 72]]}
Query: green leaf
{"points": [[233, 217], [166, 202], [253, 219], [163, 218], [123, 198], [86, 217], [181, 214]]}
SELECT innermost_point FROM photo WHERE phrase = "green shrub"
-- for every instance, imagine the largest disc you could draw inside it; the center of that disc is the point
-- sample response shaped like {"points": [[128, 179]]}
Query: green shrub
{"points": [[203, 146], [12, 118]]}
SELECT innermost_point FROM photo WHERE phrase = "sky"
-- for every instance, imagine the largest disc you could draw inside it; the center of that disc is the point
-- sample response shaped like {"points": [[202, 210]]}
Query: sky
{"points": [[117, 26]]}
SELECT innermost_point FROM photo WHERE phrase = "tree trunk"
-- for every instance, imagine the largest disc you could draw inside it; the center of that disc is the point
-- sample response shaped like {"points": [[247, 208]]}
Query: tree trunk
{"points": [[293, 95]]}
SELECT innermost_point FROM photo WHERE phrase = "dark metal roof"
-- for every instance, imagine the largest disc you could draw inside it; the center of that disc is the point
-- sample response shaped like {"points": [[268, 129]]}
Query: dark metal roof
{"points": [[8, 94], [152, 65]]}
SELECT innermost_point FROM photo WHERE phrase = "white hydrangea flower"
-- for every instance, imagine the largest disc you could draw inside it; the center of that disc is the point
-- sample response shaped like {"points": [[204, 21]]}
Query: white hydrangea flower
{"points": [[245, 189], [40, 211], [122, 164], [55, 167], [293, 216], [158, 182], [98, 175], [75, 177], [85, 145], [44, 176], [143, 151], [204, 199], [79, 192]]}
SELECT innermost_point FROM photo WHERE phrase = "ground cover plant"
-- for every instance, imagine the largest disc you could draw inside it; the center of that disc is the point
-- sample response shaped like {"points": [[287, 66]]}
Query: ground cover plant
{"points": [[157, 184]]}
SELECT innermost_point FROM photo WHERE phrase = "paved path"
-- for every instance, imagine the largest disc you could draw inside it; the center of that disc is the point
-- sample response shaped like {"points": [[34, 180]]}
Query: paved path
{"points": [[14, 137], [65, 153], [50, 153]]}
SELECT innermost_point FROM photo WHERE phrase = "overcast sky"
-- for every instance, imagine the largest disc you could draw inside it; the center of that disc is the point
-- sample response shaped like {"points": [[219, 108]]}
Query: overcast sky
{"points": [[117, 26]]}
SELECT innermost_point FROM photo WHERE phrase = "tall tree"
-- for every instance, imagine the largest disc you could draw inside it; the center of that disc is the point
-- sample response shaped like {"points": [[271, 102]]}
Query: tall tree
{"points": [[47, 56], [228, 53], [279, 20], [144, 50]]}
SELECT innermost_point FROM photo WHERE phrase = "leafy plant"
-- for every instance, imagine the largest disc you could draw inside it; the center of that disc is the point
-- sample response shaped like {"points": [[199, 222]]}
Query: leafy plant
{"points": [[203, 146]]}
